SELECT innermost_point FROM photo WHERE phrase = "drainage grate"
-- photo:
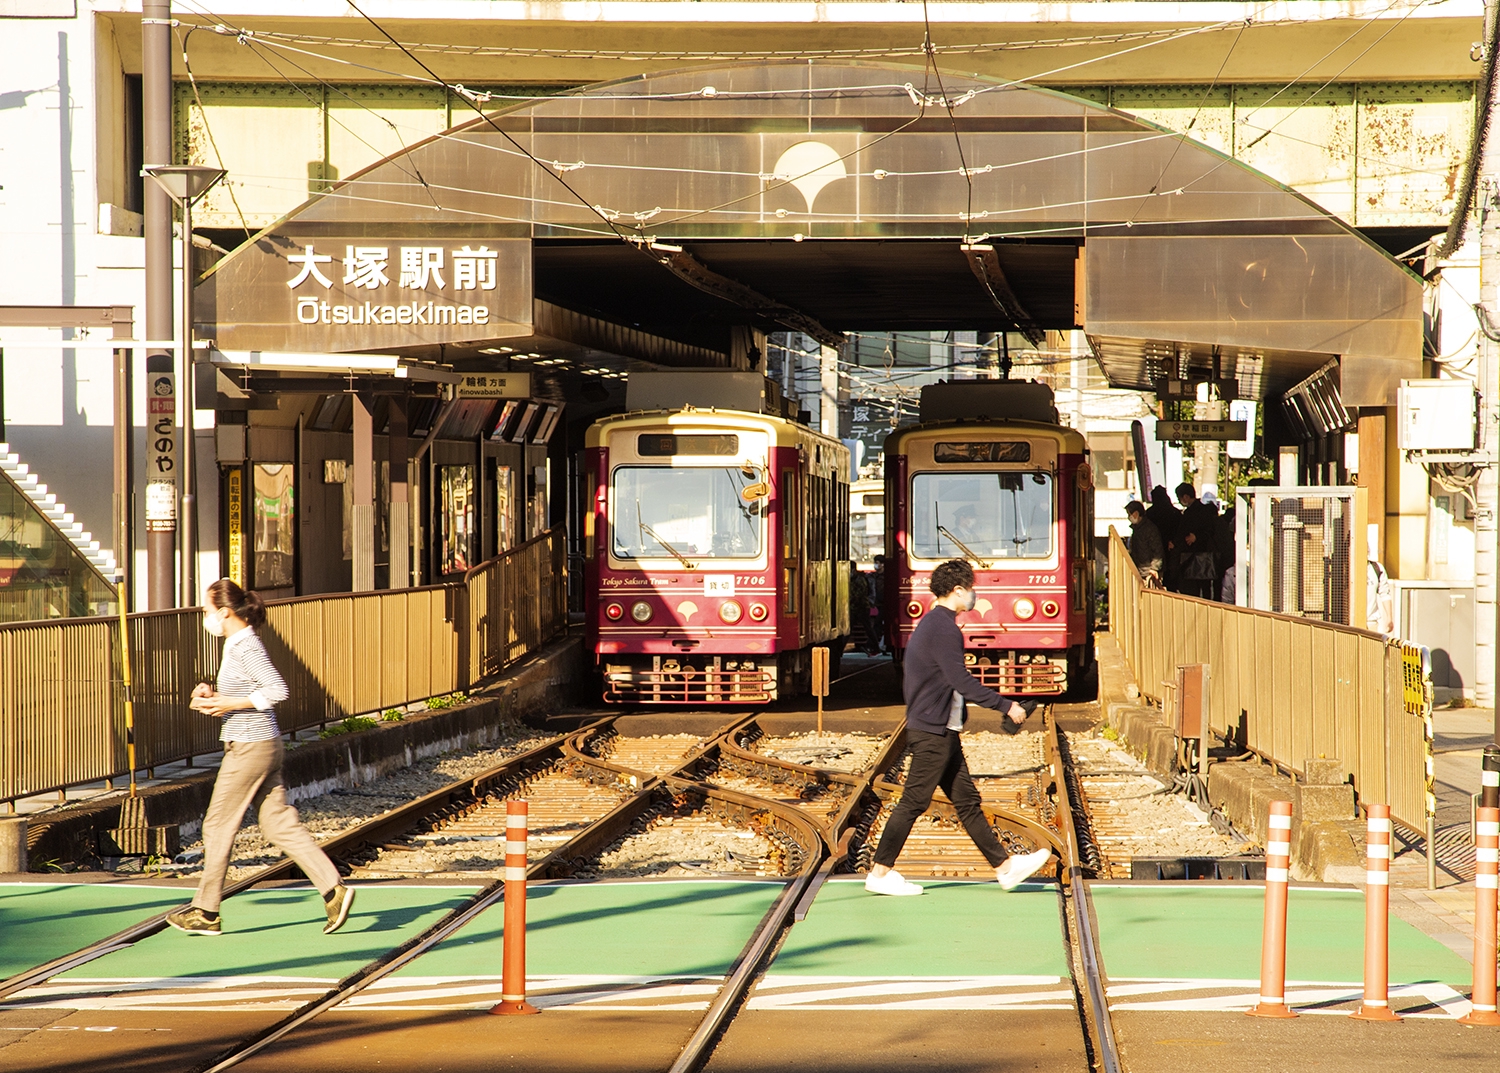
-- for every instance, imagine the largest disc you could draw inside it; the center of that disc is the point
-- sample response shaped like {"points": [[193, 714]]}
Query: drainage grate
{"points": [[1190, 868]]}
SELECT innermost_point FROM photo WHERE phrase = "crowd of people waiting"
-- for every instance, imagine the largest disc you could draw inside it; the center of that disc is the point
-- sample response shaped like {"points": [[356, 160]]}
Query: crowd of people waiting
{"points": [[1187, 548]]}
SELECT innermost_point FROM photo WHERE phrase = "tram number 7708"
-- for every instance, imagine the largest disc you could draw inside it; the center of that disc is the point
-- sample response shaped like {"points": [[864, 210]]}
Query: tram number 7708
{"points": [[1041, 579]]}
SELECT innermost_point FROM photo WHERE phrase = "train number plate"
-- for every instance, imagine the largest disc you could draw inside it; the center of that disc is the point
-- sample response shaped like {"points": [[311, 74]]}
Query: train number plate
{"points": [[718, 584]]}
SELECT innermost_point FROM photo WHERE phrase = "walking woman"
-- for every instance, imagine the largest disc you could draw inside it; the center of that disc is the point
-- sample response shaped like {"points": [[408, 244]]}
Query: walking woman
{"points": [[247, 691]]}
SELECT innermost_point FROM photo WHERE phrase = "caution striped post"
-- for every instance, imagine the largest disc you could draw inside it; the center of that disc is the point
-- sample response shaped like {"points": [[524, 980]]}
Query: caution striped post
{"points": [[513, 957], [1377, 1003], [1273, 935], [1486, 879]]}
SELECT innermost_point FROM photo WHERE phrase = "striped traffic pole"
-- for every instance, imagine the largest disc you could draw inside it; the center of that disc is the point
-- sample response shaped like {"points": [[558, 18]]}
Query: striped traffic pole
{"points": [[1487, 865], [1273, 935], [513, 973], [1377, 1003]]}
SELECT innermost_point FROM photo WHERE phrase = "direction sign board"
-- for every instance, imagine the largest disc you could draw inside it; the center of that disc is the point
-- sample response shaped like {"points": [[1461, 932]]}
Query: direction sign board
{"points": [[1167, 431]]}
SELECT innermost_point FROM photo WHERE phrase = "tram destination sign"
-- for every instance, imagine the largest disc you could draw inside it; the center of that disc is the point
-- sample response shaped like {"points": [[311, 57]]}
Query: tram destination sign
{"points": [[332, 293], [1177, 431]]}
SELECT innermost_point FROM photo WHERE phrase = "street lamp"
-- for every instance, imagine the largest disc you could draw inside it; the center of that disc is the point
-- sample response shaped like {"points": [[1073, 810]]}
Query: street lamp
{"points": [[185, 184]]}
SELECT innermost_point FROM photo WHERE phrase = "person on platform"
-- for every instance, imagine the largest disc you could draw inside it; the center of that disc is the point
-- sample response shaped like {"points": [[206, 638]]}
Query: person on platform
{"points": [[247, 690], [1196, 573], [877, 606], [1166, 518], [1380, 599], [1146, 549], [937, 685]]}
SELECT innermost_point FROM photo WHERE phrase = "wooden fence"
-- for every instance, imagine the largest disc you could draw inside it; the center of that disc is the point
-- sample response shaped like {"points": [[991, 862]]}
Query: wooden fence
{"points": [[62, 710], [1298, 688]]}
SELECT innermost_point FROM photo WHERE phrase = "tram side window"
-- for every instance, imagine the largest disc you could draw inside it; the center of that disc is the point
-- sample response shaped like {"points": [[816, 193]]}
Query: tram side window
{"points": [[982, 515]]}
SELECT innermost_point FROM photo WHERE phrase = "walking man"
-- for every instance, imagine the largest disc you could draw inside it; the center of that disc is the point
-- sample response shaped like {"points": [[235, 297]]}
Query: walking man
{"points": [[247, 691], [936, 687], [1146, 549]]}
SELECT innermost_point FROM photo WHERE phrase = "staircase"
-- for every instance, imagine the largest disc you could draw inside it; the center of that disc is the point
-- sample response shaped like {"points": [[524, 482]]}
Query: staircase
{"points": [[101, 559]]}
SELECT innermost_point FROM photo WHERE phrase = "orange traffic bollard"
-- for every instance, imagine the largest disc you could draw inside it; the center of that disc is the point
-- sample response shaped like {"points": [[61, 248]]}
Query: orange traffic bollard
{"points": [[513, 975], [1487, 865], [1273, 936], [1377, 1003]]}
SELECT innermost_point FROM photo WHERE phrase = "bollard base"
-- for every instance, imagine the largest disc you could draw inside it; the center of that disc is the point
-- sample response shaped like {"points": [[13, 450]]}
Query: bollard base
{"points": [[1270, 1009], [1374, 1013], [513, 1006], [1480, 1017]]}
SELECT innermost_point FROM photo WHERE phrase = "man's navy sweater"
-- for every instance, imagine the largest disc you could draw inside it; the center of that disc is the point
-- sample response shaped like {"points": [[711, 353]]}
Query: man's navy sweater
{"points": [[934, 670]]}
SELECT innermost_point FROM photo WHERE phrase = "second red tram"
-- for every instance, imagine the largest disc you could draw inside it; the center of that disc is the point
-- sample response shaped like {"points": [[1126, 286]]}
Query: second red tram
{"points": [[990, 476], [716, 544]]}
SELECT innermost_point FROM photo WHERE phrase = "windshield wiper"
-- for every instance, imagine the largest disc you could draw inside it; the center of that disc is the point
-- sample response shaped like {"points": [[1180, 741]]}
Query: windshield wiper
{"points": [[681, 558], [968, 551]]}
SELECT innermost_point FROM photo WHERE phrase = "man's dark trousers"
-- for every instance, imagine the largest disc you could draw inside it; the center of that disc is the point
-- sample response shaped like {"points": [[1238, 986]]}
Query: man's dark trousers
{"points": [[937, 760]]}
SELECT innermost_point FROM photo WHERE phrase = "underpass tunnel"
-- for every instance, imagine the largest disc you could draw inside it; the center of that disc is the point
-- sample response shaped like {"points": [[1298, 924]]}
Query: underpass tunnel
{"points": [[678, 220]]}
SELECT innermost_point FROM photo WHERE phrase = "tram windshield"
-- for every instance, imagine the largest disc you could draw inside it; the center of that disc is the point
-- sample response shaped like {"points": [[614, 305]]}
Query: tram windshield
{"points": [[686, 513], [981, 516]]}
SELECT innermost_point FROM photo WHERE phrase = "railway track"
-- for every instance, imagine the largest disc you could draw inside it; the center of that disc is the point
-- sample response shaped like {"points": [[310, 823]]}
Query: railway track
{"points": [[592, 792]]}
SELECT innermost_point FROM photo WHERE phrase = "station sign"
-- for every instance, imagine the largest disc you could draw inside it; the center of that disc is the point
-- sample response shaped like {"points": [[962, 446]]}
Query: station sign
{"points": [[315, 291], [1179, 431], [495, 386]]}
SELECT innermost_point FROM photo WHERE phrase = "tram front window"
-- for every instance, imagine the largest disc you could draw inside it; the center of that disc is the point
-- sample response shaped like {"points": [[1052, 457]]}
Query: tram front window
{"points": [[981, 515], [689, 512]]}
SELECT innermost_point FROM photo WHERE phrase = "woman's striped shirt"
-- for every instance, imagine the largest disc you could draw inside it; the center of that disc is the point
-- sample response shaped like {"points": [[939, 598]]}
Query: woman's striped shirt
{"points": [[245, 670]]}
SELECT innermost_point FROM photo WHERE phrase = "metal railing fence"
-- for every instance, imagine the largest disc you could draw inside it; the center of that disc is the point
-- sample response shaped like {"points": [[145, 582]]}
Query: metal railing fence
{"points": [[1302, 689], [62, 716]]}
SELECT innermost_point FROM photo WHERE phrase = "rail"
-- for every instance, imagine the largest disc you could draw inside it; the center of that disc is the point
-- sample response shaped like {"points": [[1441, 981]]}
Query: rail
{"points": [[1284, 687], [62, 717]]}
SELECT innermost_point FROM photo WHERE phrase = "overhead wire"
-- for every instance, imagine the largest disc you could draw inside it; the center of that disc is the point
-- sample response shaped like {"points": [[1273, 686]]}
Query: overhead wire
{"points": [[208, 130]]}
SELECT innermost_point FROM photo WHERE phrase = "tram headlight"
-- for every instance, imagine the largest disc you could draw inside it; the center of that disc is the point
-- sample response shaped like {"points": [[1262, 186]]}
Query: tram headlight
{"points": [[914, 609], [614, 612], [1024, 609], [731, 612], [1050, 608], [640, 611], [758, 612]]}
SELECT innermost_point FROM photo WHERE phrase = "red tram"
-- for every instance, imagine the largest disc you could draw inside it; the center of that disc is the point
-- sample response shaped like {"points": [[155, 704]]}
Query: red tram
{"points": [[990, 475], [717, 545]]}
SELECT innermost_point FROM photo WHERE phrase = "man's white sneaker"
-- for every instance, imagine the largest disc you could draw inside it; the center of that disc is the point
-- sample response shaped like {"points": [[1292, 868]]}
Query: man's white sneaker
{"points": [[1014, 871], [891, 883]]}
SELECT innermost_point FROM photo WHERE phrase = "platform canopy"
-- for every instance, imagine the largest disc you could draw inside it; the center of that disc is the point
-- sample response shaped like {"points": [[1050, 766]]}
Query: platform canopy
{"points": [[650, 218]]}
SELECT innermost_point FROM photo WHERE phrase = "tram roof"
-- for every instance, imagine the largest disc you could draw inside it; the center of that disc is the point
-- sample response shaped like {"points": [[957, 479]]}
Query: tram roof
{"points": [[650, 218]]}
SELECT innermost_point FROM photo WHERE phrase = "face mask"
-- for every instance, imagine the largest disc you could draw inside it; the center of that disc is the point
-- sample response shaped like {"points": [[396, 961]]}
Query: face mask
{"points": [[969, 599], [214, 623]]}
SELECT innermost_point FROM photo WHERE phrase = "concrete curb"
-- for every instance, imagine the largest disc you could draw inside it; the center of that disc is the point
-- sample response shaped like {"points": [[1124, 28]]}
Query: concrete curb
{"points": [[551, 679]]}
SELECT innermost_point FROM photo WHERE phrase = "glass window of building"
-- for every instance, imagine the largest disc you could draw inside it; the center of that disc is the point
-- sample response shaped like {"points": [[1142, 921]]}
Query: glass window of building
{"points": [[275, 525], [455, 518], [42, 575]]}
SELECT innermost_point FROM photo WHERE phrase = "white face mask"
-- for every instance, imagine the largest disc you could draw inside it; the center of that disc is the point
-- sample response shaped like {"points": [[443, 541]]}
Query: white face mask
{"points": [[969, 597], [213, 622]]}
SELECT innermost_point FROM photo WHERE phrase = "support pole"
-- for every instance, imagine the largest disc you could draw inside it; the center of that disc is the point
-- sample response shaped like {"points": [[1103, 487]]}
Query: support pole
{"points": [[161, 387], [513, 973], [186, 387], [1377, 1003], [400, 509], [362, 519], [1486, 854], [1273, 936]]}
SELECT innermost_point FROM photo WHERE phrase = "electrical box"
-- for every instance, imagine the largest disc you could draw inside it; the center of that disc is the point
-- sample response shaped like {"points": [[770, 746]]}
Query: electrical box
{"points": [[1436, 416], [1190, 705]]}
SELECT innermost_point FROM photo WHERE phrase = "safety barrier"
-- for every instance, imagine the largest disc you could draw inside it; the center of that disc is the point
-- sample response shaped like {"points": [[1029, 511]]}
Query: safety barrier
{"points": [[1294, 688], [62, 716]]}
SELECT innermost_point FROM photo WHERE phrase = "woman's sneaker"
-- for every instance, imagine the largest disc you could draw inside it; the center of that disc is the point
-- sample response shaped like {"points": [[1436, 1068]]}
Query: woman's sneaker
{"points": [[195, 921], [891, 883], [337, 902], [1014, 871]]}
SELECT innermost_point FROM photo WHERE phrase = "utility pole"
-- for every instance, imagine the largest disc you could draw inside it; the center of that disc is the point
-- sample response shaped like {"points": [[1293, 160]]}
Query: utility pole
{"points": [[162, 455]]}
